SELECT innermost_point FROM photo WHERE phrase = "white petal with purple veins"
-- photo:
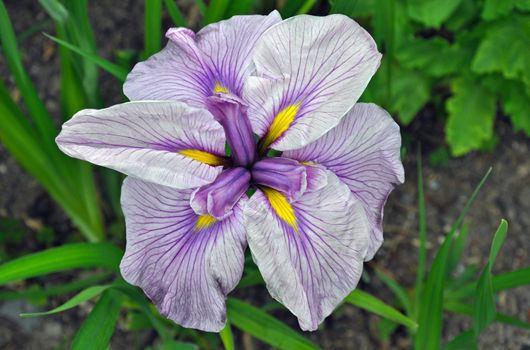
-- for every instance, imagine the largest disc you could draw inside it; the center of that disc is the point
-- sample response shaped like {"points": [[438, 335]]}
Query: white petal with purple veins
{"points": [[185, 266], [309, 72], [148, 140], [192, 66], [309, 266], [364, 152]]}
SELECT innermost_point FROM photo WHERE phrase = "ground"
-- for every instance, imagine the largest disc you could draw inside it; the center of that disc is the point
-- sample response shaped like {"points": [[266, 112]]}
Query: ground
{"points": [[118, 25]]}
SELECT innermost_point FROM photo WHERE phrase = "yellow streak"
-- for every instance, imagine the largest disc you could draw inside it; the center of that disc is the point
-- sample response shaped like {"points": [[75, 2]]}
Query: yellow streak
{"points": [[220, 88], [309, 163], [281, 122], [203, 221], [201, 156], [281, 206]]}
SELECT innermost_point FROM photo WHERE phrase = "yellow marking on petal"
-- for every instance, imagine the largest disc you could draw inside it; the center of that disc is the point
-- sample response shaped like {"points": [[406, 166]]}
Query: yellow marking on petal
{"points": [[220, 88], [203, 221], [309, 163], [281, 123], [281, 206], [205, 157]]}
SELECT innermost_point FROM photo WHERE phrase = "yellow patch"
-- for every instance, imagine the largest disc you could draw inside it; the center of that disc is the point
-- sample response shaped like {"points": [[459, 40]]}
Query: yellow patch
{"points": [[220, 88], [281, 122], [309, 163], [203, 221], [205, 157], [281, 206]]}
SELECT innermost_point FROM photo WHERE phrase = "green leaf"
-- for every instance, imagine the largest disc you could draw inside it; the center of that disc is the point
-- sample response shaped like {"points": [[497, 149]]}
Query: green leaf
{"points": [[432, 13], [468, 309], [352, 8], [77, 299], [430, 312], [422, 229], [178, 345], [263, 326], [484, 306], [215, 11], [97, 329], [464, 341], [152, 27], [227, 337], [37, 292], [399, 292], [457, 249], [110, 67], [494, 9], [434, 56], [370, 303], [241, 7], [56, 10], [504, 49], [175, 14], [67, 257], [471, 112]]}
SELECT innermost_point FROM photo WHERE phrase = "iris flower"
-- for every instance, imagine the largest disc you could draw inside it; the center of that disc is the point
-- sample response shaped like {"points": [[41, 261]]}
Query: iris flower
{"points": [[248, 132]]}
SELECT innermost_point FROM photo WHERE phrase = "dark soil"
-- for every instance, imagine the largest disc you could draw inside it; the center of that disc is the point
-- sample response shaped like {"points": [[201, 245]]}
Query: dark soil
{"points": [[118, 25]]}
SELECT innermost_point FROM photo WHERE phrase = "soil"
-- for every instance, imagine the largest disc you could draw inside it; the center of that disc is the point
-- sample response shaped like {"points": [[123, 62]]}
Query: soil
{"points": [[118, 25]]}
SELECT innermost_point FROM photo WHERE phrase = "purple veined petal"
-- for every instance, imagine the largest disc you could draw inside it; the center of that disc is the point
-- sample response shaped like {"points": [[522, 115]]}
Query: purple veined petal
{"points": [[310, 252], [309, 72], [218, 198], [364, 152], [186, 264], [193, 66], [168, 143]]}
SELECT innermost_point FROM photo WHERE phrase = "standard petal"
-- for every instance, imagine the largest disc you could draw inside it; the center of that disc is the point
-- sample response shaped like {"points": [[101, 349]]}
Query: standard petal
{"points": [[364, 152], [167, 143], [193, 66], [186, 264], [310, 252], [309, 72]]}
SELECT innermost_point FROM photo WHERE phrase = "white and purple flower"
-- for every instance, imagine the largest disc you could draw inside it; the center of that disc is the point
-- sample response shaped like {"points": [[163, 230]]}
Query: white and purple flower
{"points": [[256, 84]]}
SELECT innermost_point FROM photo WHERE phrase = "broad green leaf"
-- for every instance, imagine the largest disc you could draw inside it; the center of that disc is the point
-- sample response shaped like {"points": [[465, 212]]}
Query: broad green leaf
{"points": [[67, 257], [504, 49], [471, 112], [516, 103], [494, 9], [352, 8], [432, 13], [464, 16], [434, 56], [97, 329], [370, 303], [110, 67], [227, 337], [175, 14], [152, 27], [37, 292], [263, 326], [430, 313], [484, 306], [77, 299]]}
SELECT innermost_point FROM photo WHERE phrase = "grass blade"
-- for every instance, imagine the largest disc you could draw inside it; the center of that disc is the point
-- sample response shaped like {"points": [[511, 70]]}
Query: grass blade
{"points": [[484, 306], [55, 9], [175, 14], [265, 327], [77, 299], [215, 11], [227, 337], [96, 331], [67, 257], [422, 220], [56, 290], [370, 303], [152, 27], [430, 311], [399, 292], [467, 309], [110, 67]]}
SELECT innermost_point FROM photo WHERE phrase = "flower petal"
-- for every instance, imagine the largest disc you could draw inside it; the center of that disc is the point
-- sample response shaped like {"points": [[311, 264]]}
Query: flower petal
{"points": [[364, 152], [193, 66], [309, 72], [312, 261], [186, 264], [167, 143]]}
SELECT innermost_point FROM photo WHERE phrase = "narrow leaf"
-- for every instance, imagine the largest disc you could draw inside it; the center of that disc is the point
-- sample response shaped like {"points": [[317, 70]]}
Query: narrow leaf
{"points": [[227, 337]]}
